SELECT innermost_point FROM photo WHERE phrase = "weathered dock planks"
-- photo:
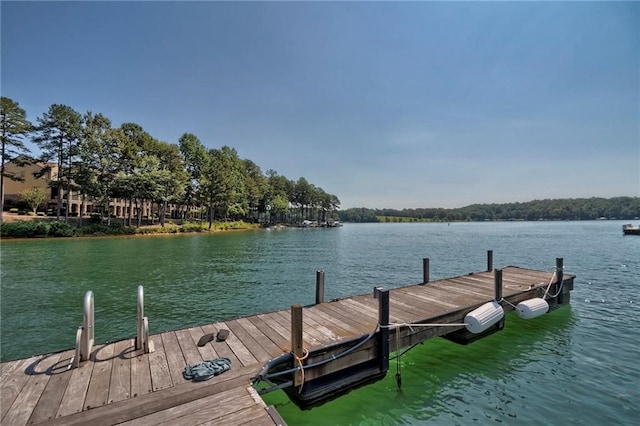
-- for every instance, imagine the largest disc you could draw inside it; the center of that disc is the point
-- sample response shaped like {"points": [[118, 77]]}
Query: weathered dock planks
{"points": [[122, 385]]}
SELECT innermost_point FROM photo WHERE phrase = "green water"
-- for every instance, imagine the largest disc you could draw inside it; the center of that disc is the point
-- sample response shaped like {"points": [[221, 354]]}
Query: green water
{"points": [[577, 365]]}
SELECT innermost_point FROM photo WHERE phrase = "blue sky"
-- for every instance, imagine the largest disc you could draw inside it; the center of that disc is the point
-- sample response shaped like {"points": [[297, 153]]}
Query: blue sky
{"points": [[384, 104]]}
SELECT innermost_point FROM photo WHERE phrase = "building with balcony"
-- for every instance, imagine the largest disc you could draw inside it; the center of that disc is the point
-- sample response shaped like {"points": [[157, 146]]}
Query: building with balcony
{"points": [[41, 175]]}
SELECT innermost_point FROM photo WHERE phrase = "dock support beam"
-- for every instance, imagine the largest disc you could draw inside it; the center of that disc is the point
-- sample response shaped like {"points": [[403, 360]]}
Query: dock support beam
{"points": [[296, 339], [319, 286], [559, 279], [489, 260], [497, 281], [425, 270], [383, 320]]}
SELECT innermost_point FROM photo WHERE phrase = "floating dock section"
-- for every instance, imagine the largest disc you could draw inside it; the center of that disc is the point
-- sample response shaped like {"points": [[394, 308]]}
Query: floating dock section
{"points": [[314, 353]]}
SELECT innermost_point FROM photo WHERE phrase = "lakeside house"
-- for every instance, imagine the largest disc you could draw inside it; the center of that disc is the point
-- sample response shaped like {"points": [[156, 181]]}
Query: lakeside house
{"points": [[41, 175]]}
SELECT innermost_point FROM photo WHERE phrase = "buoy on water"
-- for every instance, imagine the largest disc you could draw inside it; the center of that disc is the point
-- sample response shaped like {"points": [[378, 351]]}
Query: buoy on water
{"points": [[483, 317], [532, 308]]}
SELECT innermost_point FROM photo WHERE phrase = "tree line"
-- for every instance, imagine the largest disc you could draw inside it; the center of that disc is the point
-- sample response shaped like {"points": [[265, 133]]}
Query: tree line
{"points": [[627, 208], [102, 162]]}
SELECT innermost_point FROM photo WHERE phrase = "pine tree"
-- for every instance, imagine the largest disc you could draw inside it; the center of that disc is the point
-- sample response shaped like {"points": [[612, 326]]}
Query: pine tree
{"points": [[15, 127], [58, 135]]}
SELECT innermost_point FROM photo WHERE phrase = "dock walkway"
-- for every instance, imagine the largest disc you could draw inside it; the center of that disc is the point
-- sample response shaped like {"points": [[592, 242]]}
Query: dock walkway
{"points": [[120, 385]]}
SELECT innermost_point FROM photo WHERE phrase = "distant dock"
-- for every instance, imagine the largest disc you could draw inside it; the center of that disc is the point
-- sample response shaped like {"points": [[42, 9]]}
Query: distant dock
{"points": [[314, 353]]}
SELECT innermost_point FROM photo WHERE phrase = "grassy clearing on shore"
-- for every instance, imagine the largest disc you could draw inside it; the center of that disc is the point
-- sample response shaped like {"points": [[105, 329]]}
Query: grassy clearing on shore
{"points": [[39, 228], [172, 228]]}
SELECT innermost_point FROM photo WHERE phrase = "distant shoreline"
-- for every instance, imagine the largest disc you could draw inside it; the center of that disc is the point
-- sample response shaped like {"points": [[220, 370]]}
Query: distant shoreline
{"points": [[623, 207]]}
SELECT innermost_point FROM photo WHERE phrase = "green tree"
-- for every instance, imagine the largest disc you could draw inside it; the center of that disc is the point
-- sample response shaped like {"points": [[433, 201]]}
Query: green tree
{"points": [[171, 177], [194, 157], [302, 196], [279, 206], [144, 182], [314, 211], [15, 127], [99, 153], [135, 146], [278, 197], [326, 204], [222, 183], [58, 134], [256, 186], [34, 197]]}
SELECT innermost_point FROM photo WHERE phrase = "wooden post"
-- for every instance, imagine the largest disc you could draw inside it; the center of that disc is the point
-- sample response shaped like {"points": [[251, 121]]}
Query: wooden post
{"points": [[489, 260], [497, 281], [376, 290], [383, 319], [559, 278], [425, 270], [296, 340], [319, 286]]}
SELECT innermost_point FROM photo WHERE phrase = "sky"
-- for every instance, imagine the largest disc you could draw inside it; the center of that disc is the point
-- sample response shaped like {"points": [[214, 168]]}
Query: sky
{"points": [[383, 104]]}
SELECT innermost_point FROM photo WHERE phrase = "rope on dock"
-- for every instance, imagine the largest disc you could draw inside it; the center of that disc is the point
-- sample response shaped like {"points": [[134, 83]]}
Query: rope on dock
{"points": [[267, 376], [398, 357], [411, 325], [508, 303], [299, 360], [549, 286]]}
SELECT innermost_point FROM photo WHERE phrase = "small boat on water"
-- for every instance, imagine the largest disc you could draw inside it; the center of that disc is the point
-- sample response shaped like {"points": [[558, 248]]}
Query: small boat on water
{"points": [[332, 224], [630, 229]]}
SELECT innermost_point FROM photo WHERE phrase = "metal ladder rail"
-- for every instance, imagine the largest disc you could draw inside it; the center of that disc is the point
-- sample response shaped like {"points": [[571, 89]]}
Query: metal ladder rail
{"points": [[85, 333], [142, 335]]}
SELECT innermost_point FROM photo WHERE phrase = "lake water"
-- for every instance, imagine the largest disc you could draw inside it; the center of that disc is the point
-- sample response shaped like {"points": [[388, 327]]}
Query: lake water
{"points": [[576, 365]]}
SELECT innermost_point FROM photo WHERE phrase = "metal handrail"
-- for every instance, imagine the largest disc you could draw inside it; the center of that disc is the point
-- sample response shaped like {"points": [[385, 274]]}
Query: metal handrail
{"points": [[85, 333], [142, 335], [88, 328]]}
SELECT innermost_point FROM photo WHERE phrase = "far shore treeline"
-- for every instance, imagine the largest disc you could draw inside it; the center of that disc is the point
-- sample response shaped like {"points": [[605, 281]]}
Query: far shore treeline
{"points": [[102, 162], [627, 208]]}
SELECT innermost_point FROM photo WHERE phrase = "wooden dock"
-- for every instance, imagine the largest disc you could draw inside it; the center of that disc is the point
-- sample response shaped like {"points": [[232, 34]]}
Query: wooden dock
{"points": [[120, 385]]}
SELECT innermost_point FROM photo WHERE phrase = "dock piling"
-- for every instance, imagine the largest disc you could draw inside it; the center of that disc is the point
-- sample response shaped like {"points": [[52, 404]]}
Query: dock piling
{"points": [[376, 291], [497, 281], [297, 344], [319, 286], [489, 260], [559, 278], [383, 320], [425, 270]]}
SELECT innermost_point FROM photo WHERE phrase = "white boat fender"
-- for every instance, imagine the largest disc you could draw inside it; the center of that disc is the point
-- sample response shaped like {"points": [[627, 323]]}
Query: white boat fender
{"points": [[483, 317], [532, 308]]}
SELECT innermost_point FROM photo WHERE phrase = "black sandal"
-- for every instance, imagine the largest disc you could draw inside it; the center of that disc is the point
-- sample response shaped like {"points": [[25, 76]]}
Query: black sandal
{"points": [[205, 339], [222, 335]]}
